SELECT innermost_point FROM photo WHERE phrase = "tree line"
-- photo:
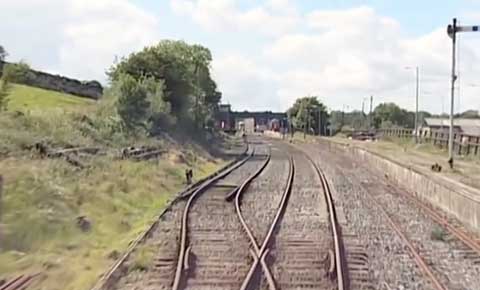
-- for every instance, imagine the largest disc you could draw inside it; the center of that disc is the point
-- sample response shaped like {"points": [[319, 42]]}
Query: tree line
{"points": [[310, 114]]}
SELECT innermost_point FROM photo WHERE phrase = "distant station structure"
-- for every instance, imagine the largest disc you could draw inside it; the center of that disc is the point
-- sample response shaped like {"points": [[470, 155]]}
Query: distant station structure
{"points": [[258, 121]]}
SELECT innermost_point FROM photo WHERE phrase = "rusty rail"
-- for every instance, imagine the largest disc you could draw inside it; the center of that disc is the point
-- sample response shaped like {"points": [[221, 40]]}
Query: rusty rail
{"points": [[261, 252], [340, 260], [19, 283], [418, 259], [109, 276], [184, 225], [468, 241]]}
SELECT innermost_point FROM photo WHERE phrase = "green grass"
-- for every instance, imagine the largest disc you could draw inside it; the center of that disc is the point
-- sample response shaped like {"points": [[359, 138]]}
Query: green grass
{"points": [[23, 98], [43, 198]]}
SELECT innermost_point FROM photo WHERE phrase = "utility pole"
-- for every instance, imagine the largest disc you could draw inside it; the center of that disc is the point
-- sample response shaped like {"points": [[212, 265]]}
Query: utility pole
{"points": [[305, 126], [370, 115], [452, 30], [319, 121]]}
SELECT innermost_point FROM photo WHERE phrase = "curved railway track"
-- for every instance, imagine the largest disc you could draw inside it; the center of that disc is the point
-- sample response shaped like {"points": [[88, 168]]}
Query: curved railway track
{"points": [[260, 252], [182, 262], [229, 234]]}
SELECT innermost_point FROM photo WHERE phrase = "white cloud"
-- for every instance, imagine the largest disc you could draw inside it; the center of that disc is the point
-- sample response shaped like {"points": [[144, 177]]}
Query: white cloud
{"points": [[79, 38], [347, 55], [280, 54], [274, 18]]}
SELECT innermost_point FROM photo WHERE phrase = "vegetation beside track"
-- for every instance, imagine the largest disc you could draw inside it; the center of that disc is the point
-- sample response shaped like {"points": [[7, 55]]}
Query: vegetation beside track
{"points": [[69, 220], [44, 199], [22, 98]]}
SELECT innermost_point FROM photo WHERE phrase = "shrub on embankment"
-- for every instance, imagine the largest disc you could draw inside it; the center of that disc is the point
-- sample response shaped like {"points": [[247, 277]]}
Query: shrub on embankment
{"points": [[71, 223]]}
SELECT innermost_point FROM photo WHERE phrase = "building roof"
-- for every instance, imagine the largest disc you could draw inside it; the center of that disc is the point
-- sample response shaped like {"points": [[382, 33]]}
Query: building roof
{"points": [[467, 126]]}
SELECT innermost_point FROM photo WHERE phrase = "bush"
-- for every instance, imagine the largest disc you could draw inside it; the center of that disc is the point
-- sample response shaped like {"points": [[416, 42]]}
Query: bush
{"points": [[4, 91], [17, 73], [438, 234]]}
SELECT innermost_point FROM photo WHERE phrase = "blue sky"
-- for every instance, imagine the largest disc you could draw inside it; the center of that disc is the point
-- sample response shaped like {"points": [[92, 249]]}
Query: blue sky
{"points": [[266, 52]]}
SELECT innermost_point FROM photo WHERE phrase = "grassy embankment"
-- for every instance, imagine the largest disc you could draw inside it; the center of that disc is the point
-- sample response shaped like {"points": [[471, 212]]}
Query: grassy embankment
{"points": [[43, 198]]}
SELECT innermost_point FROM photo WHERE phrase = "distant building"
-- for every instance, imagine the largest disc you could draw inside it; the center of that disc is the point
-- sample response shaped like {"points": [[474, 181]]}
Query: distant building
{"points": [[228, 120], [462, 126]]}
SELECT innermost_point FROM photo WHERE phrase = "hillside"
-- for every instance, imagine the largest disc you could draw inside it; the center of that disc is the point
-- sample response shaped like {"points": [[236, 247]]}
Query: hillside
{"points": [[29, 98], [70, 220]]}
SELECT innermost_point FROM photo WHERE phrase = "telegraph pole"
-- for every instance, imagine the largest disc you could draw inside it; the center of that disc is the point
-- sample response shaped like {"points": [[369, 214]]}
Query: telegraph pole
{"points": [[416, 106], [452, 30], [319, 121], [370, 115]]}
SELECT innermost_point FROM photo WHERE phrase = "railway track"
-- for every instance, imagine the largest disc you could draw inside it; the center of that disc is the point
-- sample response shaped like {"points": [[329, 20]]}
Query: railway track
{"points": [[214, 240], [269, 223], [19, 283], [445, 256]]}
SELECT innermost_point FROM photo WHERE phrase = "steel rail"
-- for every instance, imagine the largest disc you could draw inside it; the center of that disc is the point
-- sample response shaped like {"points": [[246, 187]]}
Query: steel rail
{"points": [[471, 243], [418, 259], [184, 225], [263, 250], [21, 282], [340, 261]]}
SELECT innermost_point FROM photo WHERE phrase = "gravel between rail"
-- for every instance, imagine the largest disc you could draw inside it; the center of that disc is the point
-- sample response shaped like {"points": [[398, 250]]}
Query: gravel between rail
{"points": [[360, 191], [209, 214]]}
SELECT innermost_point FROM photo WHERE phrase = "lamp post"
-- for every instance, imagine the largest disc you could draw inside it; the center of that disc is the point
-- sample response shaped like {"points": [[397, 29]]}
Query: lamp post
{"points": [[416, 101]]}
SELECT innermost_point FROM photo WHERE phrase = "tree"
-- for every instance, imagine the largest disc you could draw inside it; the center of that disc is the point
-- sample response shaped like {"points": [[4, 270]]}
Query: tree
{"points": [[3, 53], [468, 114], [132, 103], [4, 92], [306, 113], [391, 115], [17, 73], [184, 71]]}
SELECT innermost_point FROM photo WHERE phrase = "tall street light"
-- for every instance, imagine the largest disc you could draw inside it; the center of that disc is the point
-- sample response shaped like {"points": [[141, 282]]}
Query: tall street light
{"points": [[416, 101]]}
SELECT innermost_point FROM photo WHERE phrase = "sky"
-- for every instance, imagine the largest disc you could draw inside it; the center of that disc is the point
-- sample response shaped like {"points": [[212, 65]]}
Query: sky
{"points": [[266, 53]]}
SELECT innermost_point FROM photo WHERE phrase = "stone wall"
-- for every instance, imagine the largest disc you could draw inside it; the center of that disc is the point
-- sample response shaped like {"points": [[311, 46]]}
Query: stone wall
{"points": [[86, 89]]}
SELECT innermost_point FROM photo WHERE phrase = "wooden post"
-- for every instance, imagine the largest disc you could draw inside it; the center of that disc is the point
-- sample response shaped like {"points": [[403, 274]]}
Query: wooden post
{"points": [[468, 146], [476, 146]]}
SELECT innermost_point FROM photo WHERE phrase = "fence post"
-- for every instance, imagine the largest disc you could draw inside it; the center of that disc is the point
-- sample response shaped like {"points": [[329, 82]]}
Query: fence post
{"points": [[468, 146], [476, 145]]}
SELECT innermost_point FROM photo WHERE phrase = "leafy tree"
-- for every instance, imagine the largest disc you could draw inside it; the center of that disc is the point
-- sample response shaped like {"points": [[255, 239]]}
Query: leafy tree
{"points": [[4, 92], [3, 53], [388, 115], [184, 71], [132, 103], [468, 114], [305, 113], [17, 73]]}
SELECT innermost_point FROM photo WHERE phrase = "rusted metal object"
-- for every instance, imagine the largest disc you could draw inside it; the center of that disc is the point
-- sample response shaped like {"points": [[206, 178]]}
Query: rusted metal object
{"points": [[260, 252], [418, 259], [112, 274], [468, 241], [340, 260], [184, 226], [19, 283]]}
